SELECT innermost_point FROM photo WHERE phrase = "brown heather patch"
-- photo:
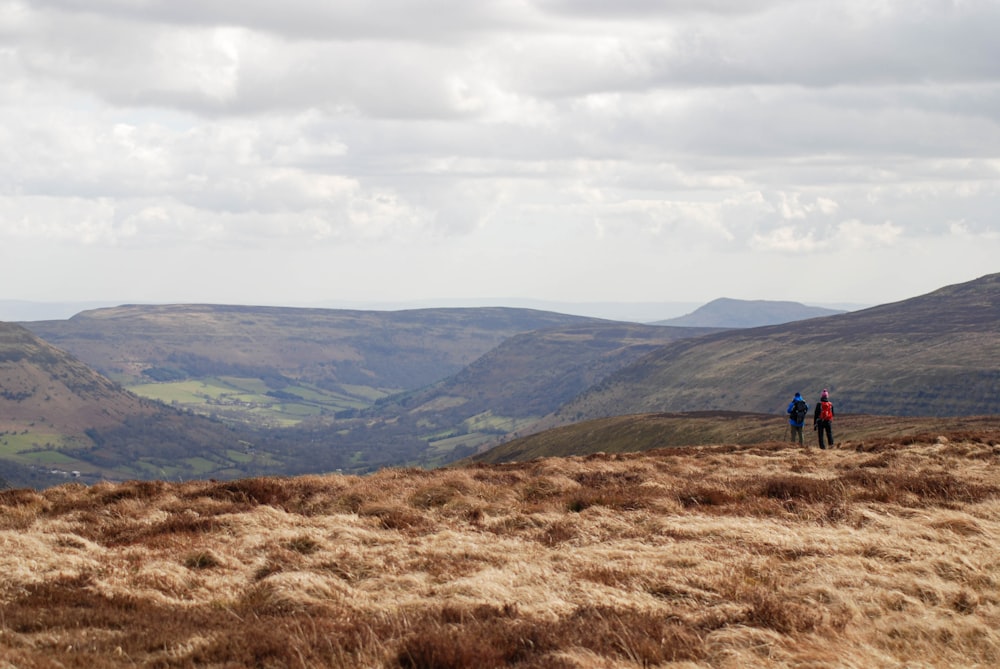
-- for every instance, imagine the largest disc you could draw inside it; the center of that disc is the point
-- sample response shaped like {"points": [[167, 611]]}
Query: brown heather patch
{"points": [[881, 554]]}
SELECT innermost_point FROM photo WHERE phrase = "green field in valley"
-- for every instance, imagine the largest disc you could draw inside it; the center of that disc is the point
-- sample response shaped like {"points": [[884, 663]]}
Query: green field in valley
{"points": [[477, 431], [250, 400], [42, 450]]}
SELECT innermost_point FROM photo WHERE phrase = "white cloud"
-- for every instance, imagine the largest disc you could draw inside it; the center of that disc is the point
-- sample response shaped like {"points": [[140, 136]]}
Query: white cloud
{"points": [[962, 231], [788, 238], [856, 234]]}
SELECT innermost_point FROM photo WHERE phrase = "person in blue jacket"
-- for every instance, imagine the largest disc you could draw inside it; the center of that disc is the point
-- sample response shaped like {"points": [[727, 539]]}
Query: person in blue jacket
{"points": [[797, 411]]}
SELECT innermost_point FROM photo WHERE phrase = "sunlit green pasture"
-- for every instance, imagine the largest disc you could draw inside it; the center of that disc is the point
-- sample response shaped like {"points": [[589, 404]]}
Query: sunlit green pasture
{"points": [[248, 399], [26, 441], [50, 457], [365, 393], [191, 391], [480, 429], [444, 446], [239, 456], [491, 423], [40, 449], [200, 466]]}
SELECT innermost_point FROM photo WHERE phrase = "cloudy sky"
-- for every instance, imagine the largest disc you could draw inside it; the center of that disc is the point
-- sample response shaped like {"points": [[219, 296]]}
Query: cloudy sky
{"points": [[376, 151]]}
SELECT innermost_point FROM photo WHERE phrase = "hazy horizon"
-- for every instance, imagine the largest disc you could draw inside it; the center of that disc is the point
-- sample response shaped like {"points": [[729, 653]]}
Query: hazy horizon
{"points": [[640, 312]]}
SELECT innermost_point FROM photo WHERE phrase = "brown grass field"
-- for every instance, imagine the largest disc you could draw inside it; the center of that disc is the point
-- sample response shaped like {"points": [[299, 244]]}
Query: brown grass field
{"points": [[877, 554]]}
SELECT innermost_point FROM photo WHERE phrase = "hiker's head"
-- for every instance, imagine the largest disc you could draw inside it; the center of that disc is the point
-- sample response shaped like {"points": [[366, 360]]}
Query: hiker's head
{"points": [[825, 394], [798, 396]]}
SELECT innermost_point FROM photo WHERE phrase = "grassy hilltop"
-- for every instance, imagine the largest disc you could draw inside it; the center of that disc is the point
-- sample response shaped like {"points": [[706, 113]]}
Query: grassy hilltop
{"points": [[882, 554]]}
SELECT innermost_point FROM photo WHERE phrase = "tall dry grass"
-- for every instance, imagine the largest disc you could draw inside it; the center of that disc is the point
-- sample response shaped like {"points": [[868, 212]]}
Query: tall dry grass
{"points": [[879, 555]]}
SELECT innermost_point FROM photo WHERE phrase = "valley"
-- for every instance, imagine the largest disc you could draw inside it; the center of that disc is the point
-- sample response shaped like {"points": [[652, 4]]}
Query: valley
{"points": [[177, 392]]}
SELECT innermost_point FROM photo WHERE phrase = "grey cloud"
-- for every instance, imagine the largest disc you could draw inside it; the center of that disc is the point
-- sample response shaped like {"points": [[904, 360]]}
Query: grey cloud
{"points": [[203, 67], [425, 21], [804, 43], [227, 71], [600, 9], [914, 43]]}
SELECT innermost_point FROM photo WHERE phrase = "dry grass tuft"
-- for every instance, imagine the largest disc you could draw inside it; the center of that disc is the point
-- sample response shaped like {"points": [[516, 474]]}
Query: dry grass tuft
{"points": [[202, 560], [884, 554]]}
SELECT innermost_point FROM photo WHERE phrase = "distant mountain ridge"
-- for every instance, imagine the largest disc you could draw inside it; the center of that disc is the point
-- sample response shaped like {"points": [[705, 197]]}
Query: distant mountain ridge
{"points": [[330, 347], [729, 313], [278, 366], [933, 355]]}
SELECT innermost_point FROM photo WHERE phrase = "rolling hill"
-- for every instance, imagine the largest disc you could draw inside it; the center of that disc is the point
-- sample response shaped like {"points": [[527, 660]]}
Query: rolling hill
{"points": [[532, 373], [280, 366], [729, 313], [932, 355]]}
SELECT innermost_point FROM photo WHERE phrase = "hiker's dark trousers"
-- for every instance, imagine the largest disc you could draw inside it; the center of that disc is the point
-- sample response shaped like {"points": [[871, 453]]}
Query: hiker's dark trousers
{"points": [[825, 426], [796, 433]]}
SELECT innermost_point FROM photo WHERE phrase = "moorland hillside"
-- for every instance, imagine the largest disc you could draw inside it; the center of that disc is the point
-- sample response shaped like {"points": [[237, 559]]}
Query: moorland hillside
{"points": [[932, 355], [877, 554], [532, 373]]}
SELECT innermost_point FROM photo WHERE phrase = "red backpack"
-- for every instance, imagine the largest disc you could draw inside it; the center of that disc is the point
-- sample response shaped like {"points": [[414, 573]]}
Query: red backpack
{"points": [[825, 411]]}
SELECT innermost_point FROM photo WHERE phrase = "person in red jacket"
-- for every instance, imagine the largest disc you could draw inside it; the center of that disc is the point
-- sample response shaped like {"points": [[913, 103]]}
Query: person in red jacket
{"points": [[823, 418]]}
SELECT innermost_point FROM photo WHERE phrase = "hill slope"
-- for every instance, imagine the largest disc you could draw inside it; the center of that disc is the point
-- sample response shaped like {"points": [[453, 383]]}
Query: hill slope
{"points": [[933, 355], [59, 418], [729, 313], [526, 377], [48, 400], [45, 386], [708, 557], [532, 373]]}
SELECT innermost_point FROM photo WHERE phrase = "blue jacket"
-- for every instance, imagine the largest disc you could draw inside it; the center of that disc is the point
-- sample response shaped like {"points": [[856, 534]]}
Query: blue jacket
{"points": [[791, 418]]}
